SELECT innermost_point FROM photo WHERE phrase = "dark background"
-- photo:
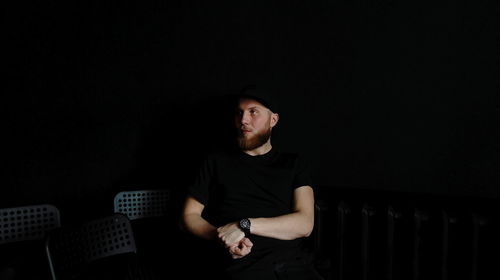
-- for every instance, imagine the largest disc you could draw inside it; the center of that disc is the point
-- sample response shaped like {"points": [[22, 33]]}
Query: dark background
{"points": [[108, 96]]}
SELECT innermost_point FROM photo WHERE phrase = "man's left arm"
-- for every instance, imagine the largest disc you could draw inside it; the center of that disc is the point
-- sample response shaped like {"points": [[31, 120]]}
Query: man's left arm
{"points": [[297, 224]]}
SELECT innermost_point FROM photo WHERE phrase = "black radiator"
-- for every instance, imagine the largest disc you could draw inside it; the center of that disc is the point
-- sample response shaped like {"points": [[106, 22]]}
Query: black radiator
{"points": [[373, 235]]}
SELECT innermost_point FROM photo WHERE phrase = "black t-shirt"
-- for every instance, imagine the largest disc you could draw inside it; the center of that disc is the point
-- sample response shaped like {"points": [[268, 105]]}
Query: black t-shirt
{"points": [[236, 185]]}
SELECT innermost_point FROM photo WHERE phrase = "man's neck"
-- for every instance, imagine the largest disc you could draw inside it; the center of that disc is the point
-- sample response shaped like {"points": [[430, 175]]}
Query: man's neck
{"points": [[260, 150]]}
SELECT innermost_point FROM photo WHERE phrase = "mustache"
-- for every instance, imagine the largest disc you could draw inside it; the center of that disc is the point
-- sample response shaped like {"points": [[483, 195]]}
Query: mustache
{"points": [[245, 128]]}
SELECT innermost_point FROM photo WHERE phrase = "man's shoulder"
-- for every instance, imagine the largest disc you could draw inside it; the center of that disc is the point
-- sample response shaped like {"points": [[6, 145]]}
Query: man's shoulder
{"points": [[285, 158], [288, 154], [292, 157]]}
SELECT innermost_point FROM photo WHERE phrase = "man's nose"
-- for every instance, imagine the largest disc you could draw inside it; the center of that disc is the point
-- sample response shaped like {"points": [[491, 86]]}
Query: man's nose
{"points": [[245, 118]]}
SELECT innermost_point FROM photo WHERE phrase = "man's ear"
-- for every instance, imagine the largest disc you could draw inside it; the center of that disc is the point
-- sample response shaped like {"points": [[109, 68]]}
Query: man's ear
{"points": [[274, 119]]}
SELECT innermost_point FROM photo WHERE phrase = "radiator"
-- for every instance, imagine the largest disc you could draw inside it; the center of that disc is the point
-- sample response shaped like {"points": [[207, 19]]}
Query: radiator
{"points": [[388, 240]]}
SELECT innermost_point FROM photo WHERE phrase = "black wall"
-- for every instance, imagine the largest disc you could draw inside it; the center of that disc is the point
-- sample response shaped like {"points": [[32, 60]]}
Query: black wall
{"points": [[103, 97]]}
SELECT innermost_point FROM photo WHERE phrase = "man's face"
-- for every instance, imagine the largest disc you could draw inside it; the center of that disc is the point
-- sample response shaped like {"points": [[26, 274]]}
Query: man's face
{"points": [[254, 123]]}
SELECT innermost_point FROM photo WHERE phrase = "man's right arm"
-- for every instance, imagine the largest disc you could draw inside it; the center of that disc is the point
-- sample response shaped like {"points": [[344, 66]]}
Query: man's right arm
{"points": [[193, 222]]}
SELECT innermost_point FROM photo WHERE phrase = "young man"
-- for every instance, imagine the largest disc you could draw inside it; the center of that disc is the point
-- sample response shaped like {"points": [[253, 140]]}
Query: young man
{"points": [[257, 202]]}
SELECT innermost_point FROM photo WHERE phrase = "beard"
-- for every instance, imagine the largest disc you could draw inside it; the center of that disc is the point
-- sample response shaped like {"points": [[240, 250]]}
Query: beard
{"points": [[255, 141]]}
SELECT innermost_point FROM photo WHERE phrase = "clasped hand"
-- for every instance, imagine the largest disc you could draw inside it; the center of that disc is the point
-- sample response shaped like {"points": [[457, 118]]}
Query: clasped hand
{"points": [[233, 238]]}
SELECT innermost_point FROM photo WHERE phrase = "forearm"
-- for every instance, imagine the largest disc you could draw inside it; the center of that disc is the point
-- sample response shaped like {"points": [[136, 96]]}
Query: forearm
{"points": [[286, 227], [198, 226]]}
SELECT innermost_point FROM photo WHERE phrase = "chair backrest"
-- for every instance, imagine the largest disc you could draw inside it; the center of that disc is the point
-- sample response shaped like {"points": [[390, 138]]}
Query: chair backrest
{"points": [[29, 222], [71, 248], [142, 203]]}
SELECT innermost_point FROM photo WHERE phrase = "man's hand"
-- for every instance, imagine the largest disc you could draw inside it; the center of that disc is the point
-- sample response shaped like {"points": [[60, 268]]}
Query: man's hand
{"points": [[243, 248], [230, 235]]}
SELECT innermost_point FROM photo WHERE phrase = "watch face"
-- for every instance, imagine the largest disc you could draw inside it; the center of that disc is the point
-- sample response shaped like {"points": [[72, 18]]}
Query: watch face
{"points": [[245, 224]]}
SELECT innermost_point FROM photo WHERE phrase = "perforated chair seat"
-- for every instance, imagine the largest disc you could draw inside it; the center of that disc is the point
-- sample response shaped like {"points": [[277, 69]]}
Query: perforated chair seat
{"points": [[142, 203], [71, 249], [155, 227], [22, 231], [27, 222]]}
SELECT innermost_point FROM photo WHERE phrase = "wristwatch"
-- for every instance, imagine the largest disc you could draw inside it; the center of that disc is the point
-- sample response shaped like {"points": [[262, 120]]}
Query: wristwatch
{"points": [[245, 226]]}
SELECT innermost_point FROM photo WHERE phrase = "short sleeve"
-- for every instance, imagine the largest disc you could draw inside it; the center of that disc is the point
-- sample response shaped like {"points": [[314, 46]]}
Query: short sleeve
{"points": [[199, 189], [302, 176]]}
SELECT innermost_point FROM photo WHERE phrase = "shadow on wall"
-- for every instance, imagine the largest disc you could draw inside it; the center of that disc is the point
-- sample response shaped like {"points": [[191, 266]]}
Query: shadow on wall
{"points": [[178, 137]]}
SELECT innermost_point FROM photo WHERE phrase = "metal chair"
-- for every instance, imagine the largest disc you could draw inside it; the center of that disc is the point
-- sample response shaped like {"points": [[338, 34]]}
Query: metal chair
{"points": [[72, 250], [155, 226], [142, 203], [27, 222], [22, 230]]}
